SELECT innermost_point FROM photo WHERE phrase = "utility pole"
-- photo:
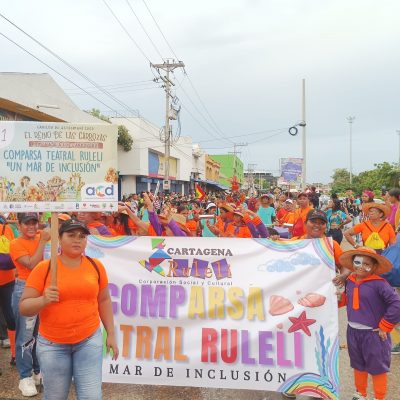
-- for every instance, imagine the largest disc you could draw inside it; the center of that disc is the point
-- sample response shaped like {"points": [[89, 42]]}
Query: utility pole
{"points": [[350, 120], [235, 153], [304, 142], [167, 66], [398, 164], [250, 178]]}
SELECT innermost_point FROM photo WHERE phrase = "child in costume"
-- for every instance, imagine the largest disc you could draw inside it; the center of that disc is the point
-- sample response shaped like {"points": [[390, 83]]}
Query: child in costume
{"points": [[373, 309]]}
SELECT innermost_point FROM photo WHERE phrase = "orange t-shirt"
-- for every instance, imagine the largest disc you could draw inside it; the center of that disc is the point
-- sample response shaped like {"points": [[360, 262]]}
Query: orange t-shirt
{"points": [[281, 213], [222, 225], [366, 228], [238, 231], [76, 316], [7, 276], [288, 218], [192, 226], [23, 247], [301, 213]]}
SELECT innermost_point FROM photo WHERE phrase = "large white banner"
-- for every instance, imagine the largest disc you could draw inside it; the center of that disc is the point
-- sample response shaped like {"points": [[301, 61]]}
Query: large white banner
{"points": [[49, 166], [223, 313]]}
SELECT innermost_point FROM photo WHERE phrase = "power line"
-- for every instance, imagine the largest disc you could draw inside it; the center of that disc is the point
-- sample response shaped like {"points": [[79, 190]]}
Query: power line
{"points": [[205, 108], [104, 91], [144, 30], [58, 73], [126, 31], [78, 72], [118, 85], [249, 134], [116, 91], [162, 34], [205, 119], [215, 127]]}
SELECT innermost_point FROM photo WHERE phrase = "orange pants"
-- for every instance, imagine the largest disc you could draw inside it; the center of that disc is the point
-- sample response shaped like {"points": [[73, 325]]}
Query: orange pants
{"points": [[379, 383]]}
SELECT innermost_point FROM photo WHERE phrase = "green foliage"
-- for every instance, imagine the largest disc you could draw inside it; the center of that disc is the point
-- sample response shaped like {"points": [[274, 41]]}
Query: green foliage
{"points": [[384, 175], [341, 180], [96, 113], [124, 138]]}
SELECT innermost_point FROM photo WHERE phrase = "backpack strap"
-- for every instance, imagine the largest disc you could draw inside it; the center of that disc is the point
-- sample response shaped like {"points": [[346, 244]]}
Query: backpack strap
{"points": [[383, 226], [371, 229], [95, 267], [47, 272], [91, 262]]}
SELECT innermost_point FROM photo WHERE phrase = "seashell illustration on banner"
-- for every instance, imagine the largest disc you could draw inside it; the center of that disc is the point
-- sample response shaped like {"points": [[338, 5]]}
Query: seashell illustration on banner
{"points": [[279, 305], [312, 300]]}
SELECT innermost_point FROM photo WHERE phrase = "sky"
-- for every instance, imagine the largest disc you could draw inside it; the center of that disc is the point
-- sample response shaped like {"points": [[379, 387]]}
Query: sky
{"points": [[244, 63]]}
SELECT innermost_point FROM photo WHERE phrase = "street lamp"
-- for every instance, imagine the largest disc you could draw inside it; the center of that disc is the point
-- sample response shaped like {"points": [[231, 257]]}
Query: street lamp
{"points": [[398, 164], [350, 120]]}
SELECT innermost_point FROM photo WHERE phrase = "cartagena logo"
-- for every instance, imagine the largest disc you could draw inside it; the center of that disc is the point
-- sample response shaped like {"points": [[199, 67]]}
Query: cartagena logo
{"points": [[162, 263], [99, 191]]}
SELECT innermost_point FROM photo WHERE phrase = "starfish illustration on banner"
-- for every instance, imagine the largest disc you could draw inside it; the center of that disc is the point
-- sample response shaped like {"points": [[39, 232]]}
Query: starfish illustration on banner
{"points": [[302, 322]]}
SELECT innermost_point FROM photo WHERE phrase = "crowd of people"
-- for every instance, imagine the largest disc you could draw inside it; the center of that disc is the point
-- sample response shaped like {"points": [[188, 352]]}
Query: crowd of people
{"points": [[66, 344]]}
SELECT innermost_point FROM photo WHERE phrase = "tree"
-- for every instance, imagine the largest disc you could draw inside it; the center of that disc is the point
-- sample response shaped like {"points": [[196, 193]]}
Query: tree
{"points": [[96, 113], [124, 138], [341, 180], [384, 175]]}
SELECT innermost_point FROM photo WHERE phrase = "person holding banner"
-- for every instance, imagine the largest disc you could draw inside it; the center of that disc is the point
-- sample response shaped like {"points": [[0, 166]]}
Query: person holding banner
{"points": [[223, 220], [7, 282], [70, 343], [26, 252], [373, 310]]}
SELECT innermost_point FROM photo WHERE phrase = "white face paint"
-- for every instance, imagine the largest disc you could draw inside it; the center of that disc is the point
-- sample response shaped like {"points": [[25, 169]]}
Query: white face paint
{"points": [[358, 263]]}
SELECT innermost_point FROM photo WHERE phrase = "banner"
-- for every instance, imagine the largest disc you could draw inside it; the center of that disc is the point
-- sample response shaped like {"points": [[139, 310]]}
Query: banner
{"points": [[223, 313], [291, 168], [48, 166]]}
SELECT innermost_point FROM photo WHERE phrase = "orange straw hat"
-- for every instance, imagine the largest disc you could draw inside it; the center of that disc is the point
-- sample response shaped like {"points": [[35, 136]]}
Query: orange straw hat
{"points": [[226, 207], [346, 259], [383, 207], [63, 217], [238, 212]]}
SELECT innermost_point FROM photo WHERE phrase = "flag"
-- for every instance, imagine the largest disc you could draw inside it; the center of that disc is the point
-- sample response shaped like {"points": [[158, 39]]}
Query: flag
{"points": [[200, 193]]}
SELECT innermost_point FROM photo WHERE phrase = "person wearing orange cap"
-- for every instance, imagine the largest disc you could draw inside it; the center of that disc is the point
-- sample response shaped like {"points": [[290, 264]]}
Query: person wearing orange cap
{"points": [[373, 309], [26, 252]]}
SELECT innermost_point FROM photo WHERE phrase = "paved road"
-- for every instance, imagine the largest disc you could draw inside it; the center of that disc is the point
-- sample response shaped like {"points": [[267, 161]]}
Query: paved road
{"points": [[9, 383]]}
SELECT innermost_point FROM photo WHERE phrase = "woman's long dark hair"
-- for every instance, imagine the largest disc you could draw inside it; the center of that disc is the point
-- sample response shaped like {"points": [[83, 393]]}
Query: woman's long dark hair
{"points": [[124, 218]]}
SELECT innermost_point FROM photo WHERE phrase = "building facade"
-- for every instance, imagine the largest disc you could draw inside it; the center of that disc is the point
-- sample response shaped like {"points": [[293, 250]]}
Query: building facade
{"points": [[142, 168], [231, 166]]}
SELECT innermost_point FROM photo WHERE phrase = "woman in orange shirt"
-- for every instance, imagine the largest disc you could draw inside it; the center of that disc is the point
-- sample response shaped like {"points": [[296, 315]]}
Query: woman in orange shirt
{"points": [[7, 282], [26, 251], [70, 340], [376, 224]]}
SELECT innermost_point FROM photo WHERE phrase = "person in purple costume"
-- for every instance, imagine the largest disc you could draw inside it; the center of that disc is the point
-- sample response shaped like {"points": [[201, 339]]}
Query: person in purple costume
{"points": [[373, 309]]}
